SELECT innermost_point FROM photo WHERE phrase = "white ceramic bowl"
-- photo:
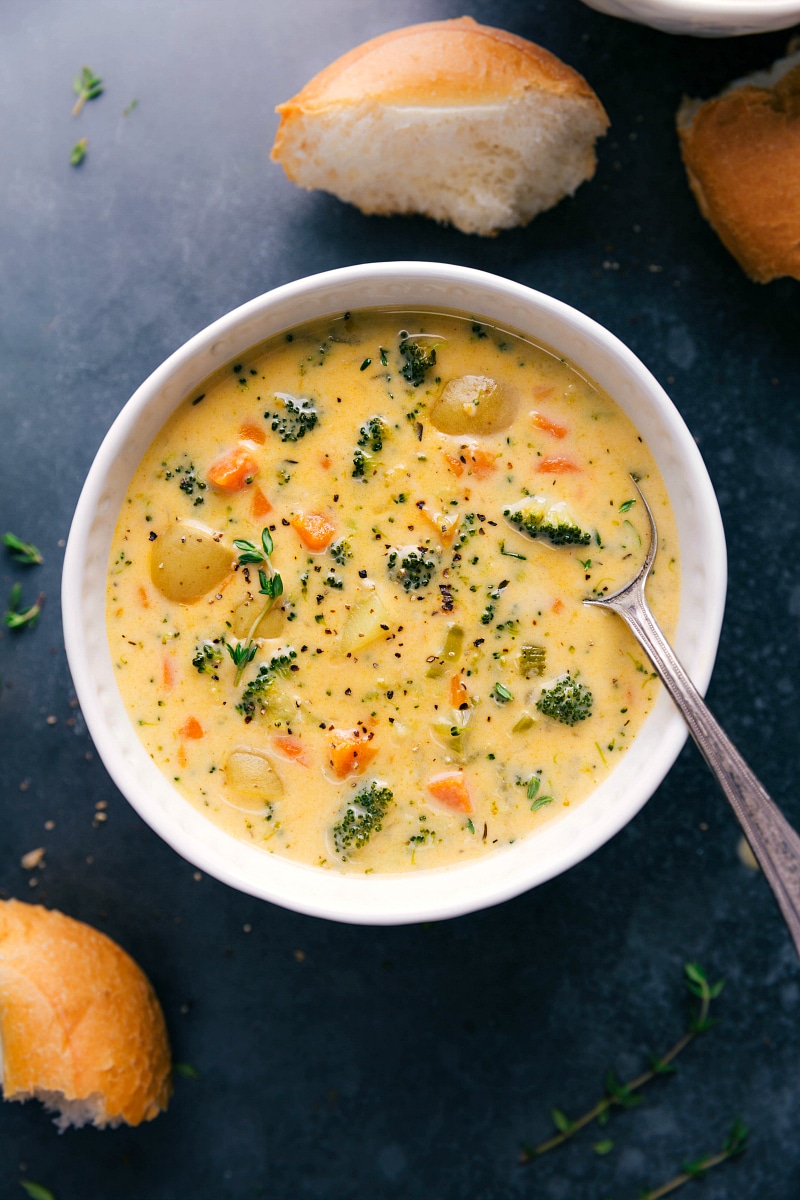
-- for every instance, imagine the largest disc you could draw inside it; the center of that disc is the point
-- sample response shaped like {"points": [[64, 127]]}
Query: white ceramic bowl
{"points": [[705, 18], [426, 895]]}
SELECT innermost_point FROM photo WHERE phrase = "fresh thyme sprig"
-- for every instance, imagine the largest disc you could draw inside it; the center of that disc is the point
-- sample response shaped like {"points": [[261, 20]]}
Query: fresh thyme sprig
{"points": [[270, 585], [623, 1095], [734, 1145], [24, 552], [16, 617], [87, 86]]}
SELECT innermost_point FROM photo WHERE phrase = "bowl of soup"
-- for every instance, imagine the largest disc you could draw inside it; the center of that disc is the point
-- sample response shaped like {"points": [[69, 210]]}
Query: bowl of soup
{"points": [[323, 592]]}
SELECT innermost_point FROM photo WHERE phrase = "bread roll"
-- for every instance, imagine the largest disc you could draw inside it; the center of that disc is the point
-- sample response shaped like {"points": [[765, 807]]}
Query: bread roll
{"points": [[80, 1026], [742, 156], [452, 119]]}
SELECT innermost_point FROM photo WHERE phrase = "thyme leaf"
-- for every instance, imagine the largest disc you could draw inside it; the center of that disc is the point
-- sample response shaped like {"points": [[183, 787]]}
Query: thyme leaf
{"points": [[16, 617], [78, 152], [24, 552], [87, 86]]}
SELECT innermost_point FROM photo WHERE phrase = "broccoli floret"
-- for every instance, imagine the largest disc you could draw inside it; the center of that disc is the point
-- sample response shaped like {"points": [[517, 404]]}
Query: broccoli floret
{"points": [[372, 433], [413, 569], [362, 818], [340, 551], [294, 419], [418, 360], [537, 517], [567, 701], [254, 695], [361, 460], [207, 657]]}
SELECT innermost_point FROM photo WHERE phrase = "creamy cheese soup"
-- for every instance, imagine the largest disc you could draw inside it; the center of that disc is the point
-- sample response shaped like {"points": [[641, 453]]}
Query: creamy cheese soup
{"points": [[345, 591]]}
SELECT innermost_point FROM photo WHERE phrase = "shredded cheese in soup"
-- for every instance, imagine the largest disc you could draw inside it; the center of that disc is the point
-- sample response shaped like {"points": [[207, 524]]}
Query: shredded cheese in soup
{"points": [[345, 591]]}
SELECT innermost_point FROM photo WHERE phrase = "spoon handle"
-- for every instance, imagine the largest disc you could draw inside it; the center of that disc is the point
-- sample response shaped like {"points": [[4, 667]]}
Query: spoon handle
{"points": [[771, 837]]}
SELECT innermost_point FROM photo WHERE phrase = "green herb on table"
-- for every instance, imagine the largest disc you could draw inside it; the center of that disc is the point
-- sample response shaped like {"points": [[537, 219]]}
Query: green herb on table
{"points": [[78, 152], [87, 86], [185, 1070], [36, 1191], [734, 1145], [126, 112], [16, 617], [23, 552], [624, 1095]]}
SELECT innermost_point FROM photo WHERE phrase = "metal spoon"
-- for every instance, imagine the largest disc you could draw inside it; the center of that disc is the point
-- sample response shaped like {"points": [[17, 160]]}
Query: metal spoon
{"points": [[772, 839]]}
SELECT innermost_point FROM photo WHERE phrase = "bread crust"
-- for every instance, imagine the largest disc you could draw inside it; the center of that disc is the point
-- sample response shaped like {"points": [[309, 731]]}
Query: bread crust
{"points": [[79, 1020], [741, 151], [456, 62]]}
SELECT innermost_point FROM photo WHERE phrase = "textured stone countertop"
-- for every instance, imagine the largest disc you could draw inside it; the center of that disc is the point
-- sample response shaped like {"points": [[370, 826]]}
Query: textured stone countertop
{"points": [[410, 1062]]}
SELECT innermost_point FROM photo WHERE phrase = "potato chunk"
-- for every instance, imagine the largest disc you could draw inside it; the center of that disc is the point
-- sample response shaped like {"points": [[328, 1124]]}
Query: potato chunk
{"points": [[473, 405], [186, 562], [367, 620], [252, 781]]}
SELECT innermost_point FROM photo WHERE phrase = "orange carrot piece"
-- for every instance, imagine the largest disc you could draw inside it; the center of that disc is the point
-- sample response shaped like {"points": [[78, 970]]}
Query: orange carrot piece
{"points": [[542, 392], [290, 747], [351, 755], [543, 422], [259, 504], [558, 464], [181, 755], [482, 462], [145, 603], [315, 529], [252, 432], [192, 729], [557, 606], [454, 463], [169, 672], [326, 462], [233, 470], [451, 791], [458, 691]]}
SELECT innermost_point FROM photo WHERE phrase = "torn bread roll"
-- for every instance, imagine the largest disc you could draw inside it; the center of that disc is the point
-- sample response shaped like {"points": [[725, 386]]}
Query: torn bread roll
{"points": [[741, 151], [80, 1026], [452, 119]]}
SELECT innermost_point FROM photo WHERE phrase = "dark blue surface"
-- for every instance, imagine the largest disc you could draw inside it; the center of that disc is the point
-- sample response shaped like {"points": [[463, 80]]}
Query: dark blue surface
{"points": [[413, 1062]]}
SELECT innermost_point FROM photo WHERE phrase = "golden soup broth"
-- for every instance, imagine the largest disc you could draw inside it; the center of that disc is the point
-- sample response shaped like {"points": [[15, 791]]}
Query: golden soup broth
{"points": [[400, 703]]}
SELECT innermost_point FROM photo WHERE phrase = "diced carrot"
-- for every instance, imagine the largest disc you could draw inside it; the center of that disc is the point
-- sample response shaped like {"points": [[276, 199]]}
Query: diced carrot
{"points": [[482, 462], [233, 470], [454, 463], [558, 464], [169, 671], [543, 422], [557, 606], [351, 754], [451, 791], [444, 525], [181, 756], [192, 729], [315, 529], [326, 462], [542, 392], [458, 691], [252, 432], [145, 603], [259, 504], [290, 747]]}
